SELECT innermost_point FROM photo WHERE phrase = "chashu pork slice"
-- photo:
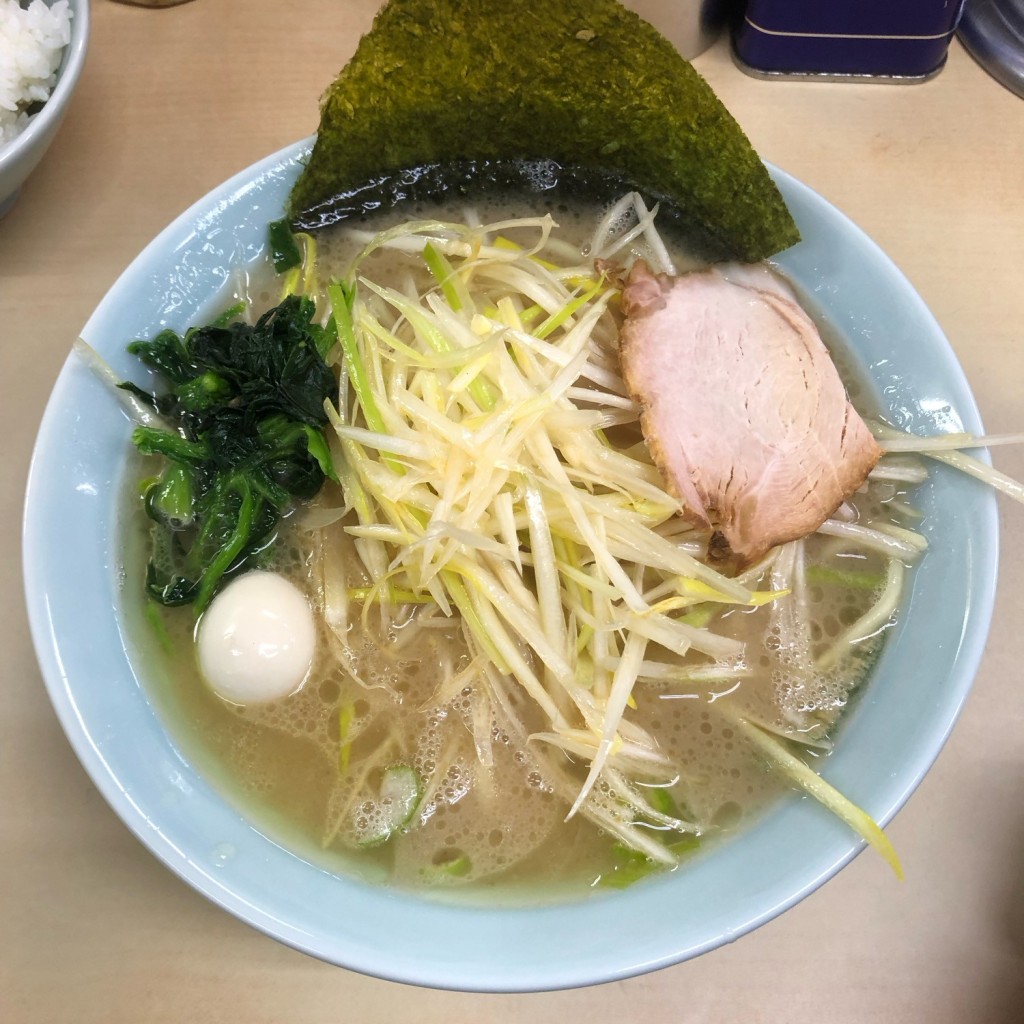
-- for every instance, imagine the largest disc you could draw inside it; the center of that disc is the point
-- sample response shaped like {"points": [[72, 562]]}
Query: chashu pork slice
{"points": [[741, 405]]}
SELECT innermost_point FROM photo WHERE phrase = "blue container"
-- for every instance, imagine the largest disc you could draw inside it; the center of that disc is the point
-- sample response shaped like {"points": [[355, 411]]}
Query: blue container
{"points": [[893, 39]]}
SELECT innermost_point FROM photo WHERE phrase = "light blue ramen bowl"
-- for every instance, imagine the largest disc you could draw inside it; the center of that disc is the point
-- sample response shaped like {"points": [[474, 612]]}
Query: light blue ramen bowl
{"points": [[75, 592], [20, 156]]}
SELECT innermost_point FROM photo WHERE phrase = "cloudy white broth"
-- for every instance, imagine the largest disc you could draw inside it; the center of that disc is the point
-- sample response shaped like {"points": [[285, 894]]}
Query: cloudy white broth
{"points": [[414, 753]]}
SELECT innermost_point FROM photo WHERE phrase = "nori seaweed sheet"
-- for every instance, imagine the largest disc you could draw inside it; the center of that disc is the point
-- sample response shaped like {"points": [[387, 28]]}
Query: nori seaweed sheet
{"points": [[450, 85], [554, 183]]}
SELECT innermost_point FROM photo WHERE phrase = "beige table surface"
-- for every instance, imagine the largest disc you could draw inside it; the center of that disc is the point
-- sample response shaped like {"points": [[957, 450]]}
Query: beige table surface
{"points": [[93, 928]]}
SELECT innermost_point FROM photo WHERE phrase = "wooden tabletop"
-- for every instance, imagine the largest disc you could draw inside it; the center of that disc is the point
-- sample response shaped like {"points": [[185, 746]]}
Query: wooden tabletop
{"points": [[94, 929]]}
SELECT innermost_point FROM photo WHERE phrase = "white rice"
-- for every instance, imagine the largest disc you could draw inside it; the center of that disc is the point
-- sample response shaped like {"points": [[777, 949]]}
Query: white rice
{"points": [[32, 41]]}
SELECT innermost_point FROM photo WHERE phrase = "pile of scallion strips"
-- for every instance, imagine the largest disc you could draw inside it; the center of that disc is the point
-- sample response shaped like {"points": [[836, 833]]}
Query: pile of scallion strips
{"points": [[475, 407]]}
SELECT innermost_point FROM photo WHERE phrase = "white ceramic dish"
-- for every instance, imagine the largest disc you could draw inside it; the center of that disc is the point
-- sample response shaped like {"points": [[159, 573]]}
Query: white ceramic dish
{"points": [[888, 742]]}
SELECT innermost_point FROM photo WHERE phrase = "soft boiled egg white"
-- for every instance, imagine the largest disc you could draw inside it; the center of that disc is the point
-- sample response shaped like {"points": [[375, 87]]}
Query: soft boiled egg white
{"points": [[257, 639]]}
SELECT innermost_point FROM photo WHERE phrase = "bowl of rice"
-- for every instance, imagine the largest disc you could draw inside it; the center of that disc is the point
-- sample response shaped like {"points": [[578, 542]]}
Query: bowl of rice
{"points": [[42, 51]]}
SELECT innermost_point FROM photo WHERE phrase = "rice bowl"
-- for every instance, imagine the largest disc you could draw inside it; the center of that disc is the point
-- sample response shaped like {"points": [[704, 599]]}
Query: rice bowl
{"points": [[32, 42], [42, 53]]}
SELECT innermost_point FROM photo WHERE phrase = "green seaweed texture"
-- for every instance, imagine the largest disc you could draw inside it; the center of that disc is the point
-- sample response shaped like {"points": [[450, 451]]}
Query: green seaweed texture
{"points": [[582, 82]]}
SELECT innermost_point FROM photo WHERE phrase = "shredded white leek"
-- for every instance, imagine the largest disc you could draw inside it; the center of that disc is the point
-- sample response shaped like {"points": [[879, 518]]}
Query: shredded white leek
{"points": [[947, 449], [140, 412], [874, 619], [476, 405], [945, 442], [472, 436], [814, 785]]}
